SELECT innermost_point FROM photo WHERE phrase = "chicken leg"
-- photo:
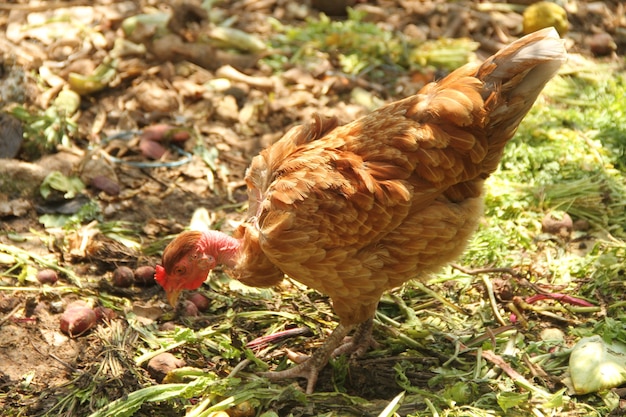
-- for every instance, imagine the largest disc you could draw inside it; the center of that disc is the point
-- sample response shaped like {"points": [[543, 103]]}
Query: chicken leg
{"points": [[311, 367], [360, 342]]}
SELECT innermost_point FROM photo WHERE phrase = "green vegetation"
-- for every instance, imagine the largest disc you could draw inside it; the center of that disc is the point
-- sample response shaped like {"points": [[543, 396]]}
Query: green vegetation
{"points": [[566, 156], [359, 47]]}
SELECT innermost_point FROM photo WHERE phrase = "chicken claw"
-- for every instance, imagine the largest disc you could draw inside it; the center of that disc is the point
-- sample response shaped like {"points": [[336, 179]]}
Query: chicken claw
{"points": [[310, 368]]}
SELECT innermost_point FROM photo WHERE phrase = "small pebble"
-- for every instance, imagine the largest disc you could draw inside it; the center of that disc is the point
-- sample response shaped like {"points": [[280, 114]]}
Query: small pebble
{"points": [[56, 307]]}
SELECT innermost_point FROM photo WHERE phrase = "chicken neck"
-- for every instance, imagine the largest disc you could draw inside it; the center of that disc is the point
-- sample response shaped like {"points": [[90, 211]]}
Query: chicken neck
{"points": [[334, 345], [225, 247]]}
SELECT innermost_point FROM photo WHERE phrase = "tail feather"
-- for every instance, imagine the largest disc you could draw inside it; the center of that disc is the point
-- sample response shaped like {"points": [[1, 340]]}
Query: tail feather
{"points": [[533, 60], [513, 79]]}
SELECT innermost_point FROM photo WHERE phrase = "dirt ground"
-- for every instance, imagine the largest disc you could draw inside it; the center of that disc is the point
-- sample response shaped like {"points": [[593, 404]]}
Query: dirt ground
{"points": [[38, 363]]}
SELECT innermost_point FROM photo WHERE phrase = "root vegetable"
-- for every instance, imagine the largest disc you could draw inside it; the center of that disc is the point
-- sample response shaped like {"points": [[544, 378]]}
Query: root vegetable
{"points": [[144, 275], [77, 320], [106, 184], [163, 132], [200, 301], [163, 363], [104, 313], [47, 276], [557, 223], [188, 308], [151, 149], [123, 277]]}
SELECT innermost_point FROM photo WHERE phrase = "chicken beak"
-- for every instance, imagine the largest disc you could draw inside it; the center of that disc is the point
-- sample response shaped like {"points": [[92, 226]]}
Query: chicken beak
{"points": [[172, 297]]}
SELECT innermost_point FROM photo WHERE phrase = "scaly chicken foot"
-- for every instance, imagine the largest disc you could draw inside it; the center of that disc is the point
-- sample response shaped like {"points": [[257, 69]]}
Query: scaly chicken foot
{"points": [[311, 368], [360, 342]]}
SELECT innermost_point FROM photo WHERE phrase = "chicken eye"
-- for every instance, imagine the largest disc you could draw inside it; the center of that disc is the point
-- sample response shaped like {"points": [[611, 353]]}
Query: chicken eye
{"points": [[180, 270]]}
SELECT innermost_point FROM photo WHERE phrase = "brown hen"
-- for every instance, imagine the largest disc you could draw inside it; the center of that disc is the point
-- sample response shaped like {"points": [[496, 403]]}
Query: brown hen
{"points": [[355, 210]]}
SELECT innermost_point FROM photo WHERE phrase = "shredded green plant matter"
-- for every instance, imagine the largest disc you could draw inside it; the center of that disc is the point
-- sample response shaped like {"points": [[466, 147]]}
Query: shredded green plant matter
{"points": [[360, 47], [356, 44], [44, 131], [566, 156], [454, 352]]}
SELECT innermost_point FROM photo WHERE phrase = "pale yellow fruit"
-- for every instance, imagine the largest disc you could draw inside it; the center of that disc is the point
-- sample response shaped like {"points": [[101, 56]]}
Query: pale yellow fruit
{"points": [[543, 15]]}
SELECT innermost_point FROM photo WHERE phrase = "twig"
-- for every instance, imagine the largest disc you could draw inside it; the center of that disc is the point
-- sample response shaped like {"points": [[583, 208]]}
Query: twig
{"points": [[517, 378], [489, 270], [8, 316], [241, 365], [438, 297], [535, 368], [490, 334], [262, 341], [492, 300], [56, 358]]}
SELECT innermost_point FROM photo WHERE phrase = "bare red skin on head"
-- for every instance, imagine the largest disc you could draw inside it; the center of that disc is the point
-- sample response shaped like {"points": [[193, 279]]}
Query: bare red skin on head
{"points": [[189, 258]]}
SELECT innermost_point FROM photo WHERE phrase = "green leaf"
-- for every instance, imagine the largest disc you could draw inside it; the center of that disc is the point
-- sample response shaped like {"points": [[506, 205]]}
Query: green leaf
{"points": [[555, 401], [55, 180], [67, 102], [507, 400], [126, 406], [54, 220]]}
